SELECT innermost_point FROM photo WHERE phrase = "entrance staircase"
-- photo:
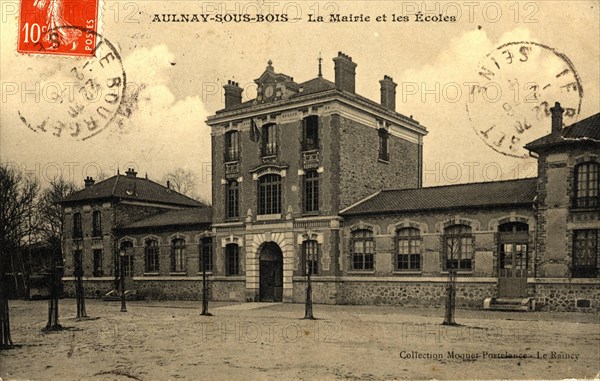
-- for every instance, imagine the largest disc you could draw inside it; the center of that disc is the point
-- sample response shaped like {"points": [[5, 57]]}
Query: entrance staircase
{"points": [[509, 304]]}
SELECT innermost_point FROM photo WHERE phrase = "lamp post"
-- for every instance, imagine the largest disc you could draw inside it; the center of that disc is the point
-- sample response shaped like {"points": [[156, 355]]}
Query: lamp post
{"points": [[309, 257], [204, 284], [78, 272], [122, 253]]}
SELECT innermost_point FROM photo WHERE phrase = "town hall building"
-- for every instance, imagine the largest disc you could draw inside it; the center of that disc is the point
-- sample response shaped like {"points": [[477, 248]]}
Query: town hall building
{"points": [[312, 177]]}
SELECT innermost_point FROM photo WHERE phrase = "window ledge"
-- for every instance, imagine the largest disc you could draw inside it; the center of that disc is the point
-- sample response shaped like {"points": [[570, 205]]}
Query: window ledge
{"points": [[178, 273], [266, 217], [231, 161], [207, 273], [310, 214], [584, 209], [408, 272], [384, 161], [458, 272], [151, 274], [359, 272]]}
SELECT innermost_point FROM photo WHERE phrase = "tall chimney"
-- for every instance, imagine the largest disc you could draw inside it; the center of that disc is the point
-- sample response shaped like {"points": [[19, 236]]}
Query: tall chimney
{"points": [[233, 94], [345, 73], [88, 181], [557, 117], [131, 173], [388, 92]]}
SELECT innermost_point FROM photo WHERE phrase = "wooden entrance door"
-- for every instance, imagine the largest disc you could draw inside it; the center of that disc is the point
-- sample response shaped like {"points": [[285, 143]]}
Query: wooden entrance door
{"points": [[271, 273], [512, 280]]}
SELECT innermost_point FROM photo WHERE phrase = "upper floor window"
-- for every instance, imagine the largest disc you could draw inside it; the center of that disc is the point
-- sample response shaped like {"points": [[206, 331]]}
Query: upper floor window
{"points": [[77, 228], [383, 145], [269, 194], [585, 253], [408, 256], [458, 246], [586, 185], [232, 259], [269, 140], [310, 251], [206, 255], [311, 191], [310, 133], [232, 149], [232, 199], [363, 250], [97, 223], [151, 256], [178, 255]]}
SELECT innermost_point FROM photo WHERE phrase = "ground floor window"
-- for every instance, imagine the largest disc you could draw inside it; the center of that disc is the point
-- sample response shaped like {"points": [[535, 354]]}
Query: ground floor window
{"points": [[585, 253], [127, 258], [232, 259], [97, 262], [458, 245], [152, 257], [178, 255], [363, 250], [408, 256], [310, 251], [206, 255]]}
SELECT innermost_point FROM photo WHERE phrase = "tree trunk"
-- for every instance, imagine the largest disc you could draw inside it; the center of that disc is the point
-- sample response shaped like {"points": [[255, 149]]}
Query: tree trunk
{"points": [[53, 324], [308, 308], [450, 298], [5, 339], [80, 295], [204, 292]]}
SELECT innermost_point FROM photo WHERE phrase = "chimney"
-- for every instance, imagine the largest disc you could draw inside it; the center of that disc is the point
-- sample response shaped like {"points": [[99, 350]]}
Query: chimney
{"points": [[388, 92], [168, 185], [557, 118], [131, 173], [233, 94], [88, 181], [345, 73]]}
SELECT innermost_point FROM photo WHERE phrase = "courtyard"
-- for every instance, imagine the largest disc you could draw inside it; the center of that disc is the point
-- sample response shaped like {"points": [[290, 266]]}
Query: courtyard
{"points": [[169, 340]]}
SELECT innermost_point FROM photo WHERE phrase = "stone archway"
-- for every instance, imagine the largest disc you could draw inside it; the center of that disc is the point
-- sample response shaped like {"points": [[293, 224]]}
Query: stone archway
{"points": [[271, 273]]}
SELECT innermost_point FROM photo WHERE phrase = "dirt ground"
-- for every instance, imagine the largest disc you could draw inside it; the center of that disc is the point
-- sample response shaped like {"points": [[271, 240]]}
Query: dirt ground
{"points": [[244, 341]]}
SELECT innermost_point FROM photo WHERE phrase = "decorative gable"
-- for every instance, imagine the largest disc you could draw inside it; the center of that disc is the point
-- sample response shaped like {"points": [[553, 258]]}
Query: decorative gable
{"points": [[274, 86]]}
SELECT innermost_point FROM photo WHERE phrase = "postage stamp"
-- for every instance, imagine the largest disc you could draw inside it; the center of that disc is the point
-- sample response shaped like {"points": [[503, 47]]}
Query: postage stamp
{"points": [[512, 93], [58, 27], [82, 97]]}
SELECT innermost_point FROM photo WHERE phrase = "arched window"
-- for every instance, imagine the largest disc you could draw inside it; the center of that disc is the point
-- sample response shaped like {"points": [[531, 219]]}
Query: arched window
{"points": [[269, 194], [178, 255], [513, 240], [232, 199], [232, 259], [151, 255], [127, 246], [458, 247], [310, 133], [206, 255], [363, 250], [97, 223], [586, 185], [77, 228], [408, 255], [232, 152], [269, 140], [310, 257]]}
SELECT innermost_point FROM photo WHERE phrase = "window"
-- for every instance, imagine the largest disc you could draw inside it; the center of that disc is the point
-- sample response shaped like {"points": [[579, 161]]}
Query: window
{"points": [[178, 255], [232, 259], [206, 255], [232, 199], [97, 262], [127, 258], [362, 246], [585, 253], [269, 140], [310, 251], [269, 194], [77, 230], [458, 246], [513, 238], [408, 256], [232, 146], [310, 133], [151, 256], [78, 263], [97, 223], [311, 191], [586, 185], [383, 145]]}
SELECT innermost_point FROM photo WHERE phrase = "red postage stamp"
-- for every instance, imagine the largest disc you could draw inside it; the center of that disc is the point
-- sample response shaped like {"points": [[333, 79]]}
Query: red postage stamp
{"points": [[58, 27]]}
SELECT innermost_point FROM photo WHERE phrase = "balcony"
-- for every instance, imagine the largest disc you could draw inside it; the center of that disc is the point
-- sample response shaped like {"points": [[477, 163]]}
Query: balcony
{"points": [[232, 170], [310, 159]]}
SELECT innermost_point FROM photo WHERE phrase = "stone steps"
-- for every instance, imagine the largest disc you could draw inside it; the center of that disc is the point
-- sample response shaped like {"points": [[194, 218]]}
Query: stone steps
{"points": [[509, 304]]}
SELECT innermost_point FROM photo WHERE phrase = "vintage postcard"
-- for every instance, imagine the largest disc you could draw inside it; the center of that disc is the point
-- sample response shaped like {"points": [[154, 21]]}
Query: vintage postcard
{"points": [[313, 190]]}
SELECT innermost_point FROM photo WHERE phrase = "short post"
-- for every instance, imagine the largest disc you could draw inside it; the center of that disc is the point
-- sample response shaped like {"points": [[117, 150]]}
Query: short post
{"points": [[122, 253]]}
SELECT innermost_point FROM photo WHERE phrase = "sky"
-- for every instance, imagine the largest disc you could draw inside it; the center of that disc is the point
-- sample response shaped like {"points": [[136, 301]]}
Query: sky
{"points": [[175, 72]]}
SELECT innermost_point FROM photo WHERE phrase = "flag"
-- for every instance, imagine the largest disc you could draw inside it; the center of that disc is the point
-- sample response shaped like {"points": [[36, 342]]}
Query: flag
{"points": [[254, 131]]}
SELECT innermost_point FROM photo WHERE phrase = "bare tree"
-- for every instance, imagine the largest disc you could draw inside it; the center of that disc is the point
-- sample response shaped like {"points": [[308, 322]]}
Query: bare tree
{"points": [[51, 228], [17, 194], [183, 181]]}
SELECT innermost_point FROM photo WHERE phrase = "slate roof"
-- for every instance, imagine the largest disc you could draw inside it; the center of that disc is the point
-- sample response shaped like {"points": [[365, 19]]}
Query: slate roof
{"points": [[132, 188], [584, 130], [187, 216], [474, 195]]}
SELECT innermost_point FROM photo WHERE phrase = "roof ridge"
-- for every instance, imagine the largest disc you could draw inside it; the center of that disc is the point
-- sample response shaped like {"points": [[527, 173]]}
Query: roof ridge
{"points": [[173, 190], [455, 185]]}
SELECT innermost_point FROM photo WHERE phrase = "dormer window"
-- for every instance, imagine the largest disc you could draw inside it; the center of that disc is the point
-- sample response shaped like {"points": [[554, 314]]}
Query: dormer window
{"points": [[310, 133], [269, 140]]}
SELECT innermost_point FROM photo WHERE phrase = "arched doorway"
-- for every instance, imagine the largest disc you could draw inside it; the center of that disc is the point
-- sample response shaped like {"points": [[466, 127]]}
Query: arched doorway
{"points": [[271, 273]]}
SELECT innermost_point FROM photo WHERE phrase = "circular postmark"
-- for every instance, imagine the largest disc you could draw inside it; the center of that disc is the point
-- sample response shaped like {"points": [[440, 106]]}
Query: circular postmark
{"points": [[75, 97], [516, 85]]}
